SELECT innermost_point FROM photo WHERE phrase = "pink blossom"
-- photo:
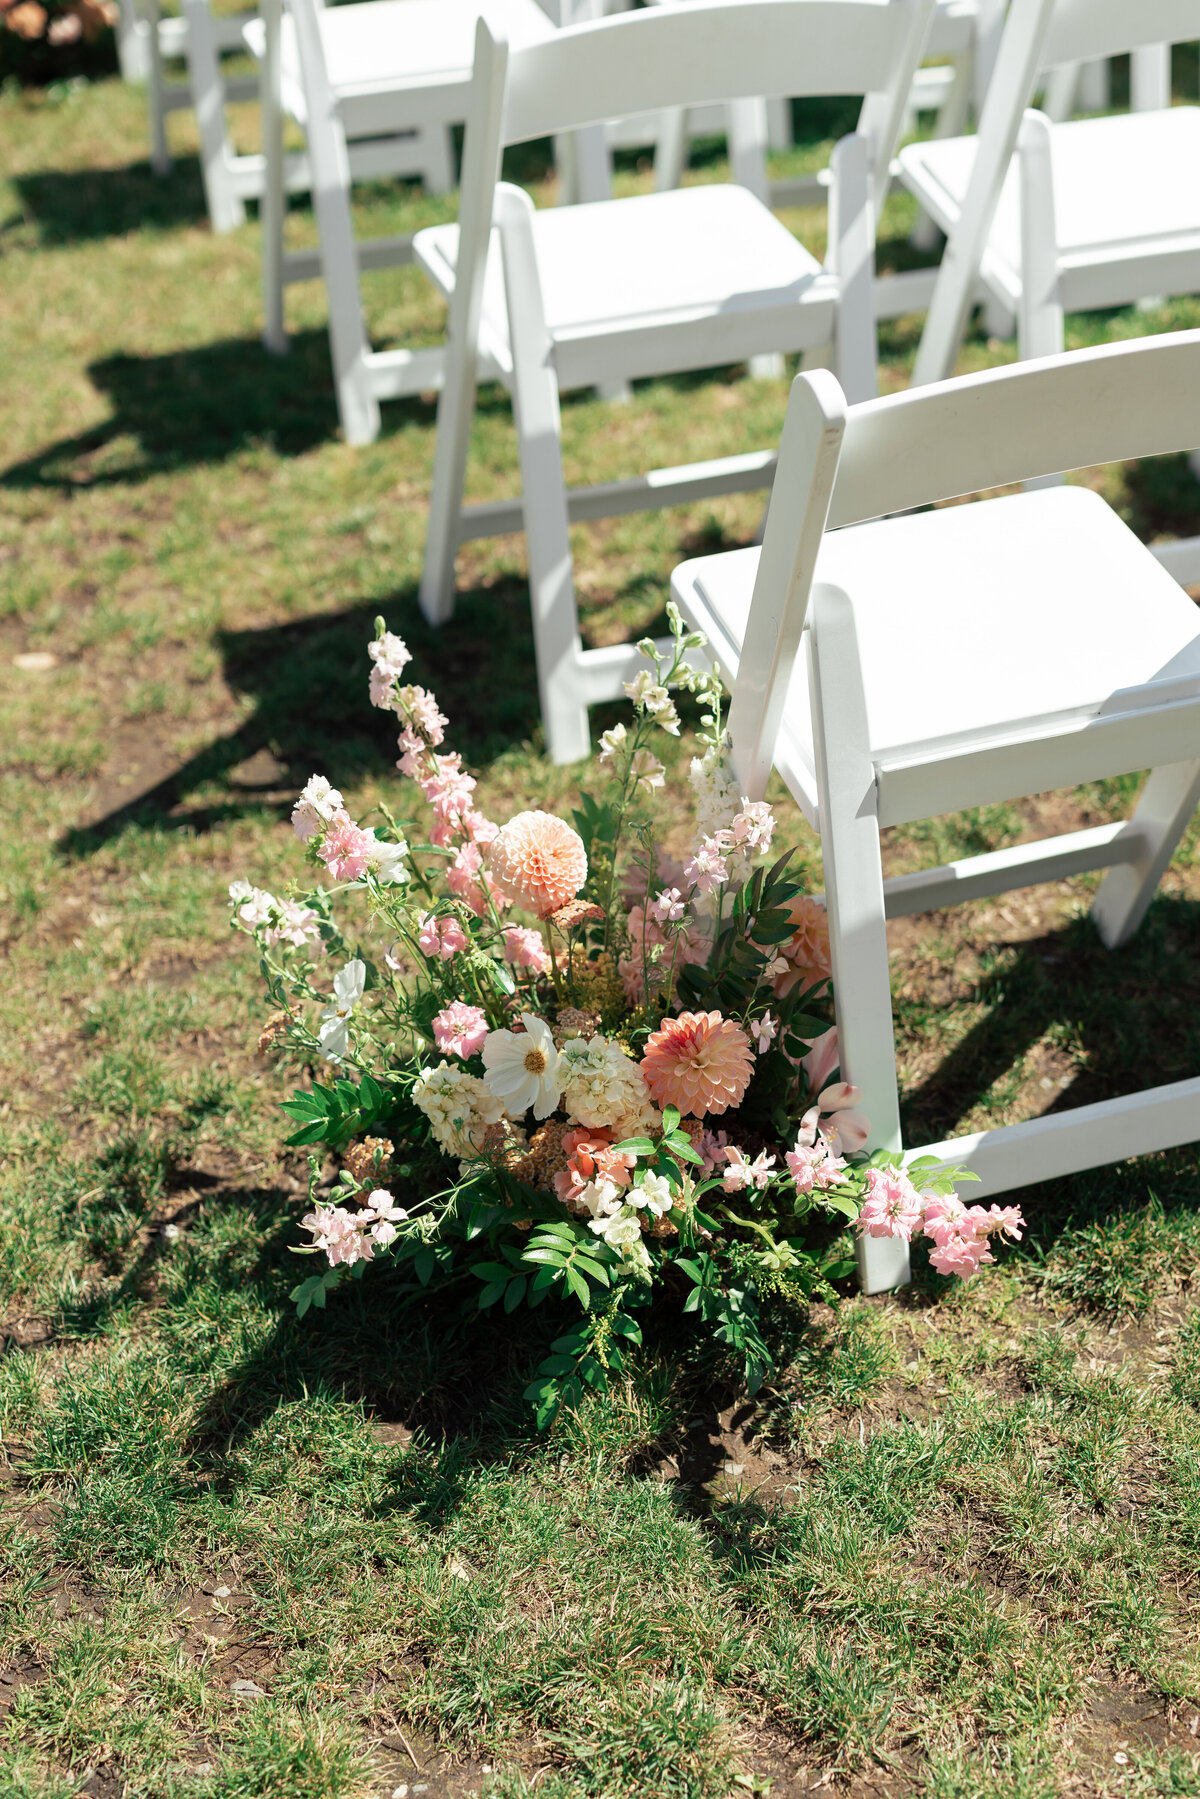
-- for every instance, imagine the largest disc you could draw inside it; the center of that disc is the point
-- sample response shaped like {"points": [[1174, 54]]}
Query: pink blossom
{"points": [[669, 907], [591, 1157], [298, 925], [346, 849], [340, 1234], [412, 752], [892, 1207], [479, 829], [318, 805], [763, 1032], [753, 828], [961, 1232], [813, 1165], [523, 948], [421, 710], [711, 1147], [463, 878], [442, 937], [822, 1058], [961, 1255], [741, 1173], [460, 1029], [448, 789], [844, 1125], [707, 870], [390, 654]]}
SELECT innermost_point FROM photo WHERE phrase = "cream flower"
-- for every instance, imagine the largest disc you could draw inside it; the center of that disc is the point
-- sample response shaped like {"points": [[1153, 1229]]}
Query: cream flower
{"points": [[459, 1107], [523, 1068], [599, 1083]]}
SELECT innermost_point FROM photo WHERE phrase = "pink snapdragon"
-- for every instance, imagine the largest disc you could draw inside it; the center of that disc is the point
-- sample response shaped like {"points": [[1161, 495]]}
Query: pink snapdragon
{"points": [[420, 710], [340, 1234], [763, 1030], [893, 1207], [523, 948], [740, 1173], [710, 1147], [813, 1165], [961, 1232], [592, 1158], [459, 1030], [319, 804], [465, 879], [442, 937], [412, 751], [346, 849]]}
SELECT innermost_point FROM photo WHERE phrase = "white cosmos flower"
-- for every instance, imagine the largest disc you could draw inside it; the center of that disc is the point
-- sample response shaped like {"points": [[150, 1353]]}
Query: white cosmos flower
{"points": [[348, 984], [522, 1067]]}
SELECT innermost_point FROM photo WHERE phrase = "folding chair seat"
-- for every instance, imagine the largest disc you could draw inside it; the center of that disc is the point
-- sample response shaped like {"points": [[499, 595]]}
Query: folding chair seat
{"points": [[649, 285], [901, 667], [376, 88], [1092, 212]]}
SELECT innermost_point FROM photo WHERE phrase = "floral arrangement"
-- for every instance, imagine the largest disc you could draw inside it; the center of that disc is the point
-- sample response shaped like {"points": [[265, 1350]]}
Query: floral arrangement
{"points": [[596, 1072], [47, 39]]}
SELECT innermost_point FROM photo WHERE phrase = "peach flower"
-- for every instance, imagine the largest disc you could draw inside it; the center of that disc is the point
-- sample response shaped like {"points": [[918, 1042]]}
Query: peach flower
{"points": [[538, 861], [591, 1157], [807, 949], [699, 1062]]}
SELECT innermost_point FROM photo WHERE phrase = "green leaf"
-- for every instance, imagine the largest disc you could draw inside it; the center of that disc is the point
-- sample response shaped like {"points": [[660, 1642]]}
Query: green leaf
{"points": [[491, 1294], [490, 1271], [641, 1146], [624, 1326], [579, 1287], [515, 1293], [424, 1263], [670, 1119]]}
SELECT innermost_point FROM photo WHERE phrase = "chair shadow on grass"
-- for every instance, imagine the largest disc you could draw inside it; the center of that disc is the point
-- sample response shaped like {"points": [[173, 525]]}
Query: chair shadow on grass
{"points": [[1127, 1019], [308, 682], [83, 205], [194, 407]]}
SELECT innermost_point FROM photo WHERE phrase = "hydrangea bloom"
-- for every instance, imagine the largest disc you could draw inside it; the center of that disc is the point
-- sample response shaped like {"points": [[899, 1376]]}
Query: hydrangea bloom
{"points": [[458, 1106], [600, 1084]]}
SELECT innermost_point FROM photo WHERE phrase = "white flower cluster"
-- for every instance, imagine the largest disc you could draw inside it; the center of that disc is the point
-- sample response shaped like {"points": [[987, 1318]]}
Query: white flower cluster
{"points": [[615, 1215], [458, 1106], [601, 1086], [284, 921]]}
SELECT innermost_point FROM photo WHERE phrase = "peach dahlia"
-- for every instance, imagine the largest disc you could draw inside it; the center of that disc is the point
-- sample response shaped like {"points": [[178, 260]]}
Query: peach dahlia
{"points": [[698, 1062], [539, 862]]}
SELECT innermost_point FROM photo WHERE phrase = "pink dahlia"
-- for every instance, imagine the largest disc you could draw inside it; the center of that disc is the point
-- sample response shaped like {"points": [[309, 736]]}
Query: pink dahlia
{"points": [[538, 862], [807, 949], [699, 1062]]}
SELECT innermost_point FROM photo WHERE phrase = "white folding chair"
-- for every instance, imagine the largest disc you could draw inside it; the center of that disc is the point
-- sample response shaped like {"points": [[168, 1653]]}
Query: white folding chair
{"points": [[1090, 213], [650, 285], [961, 656], [376, 88], [146, 42]]}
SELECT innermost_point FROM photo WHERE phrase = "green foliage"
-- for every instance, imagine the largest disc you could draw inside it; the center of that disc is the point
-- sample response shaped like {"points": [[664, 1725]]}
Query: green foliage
{"points": [[334, 1115]]}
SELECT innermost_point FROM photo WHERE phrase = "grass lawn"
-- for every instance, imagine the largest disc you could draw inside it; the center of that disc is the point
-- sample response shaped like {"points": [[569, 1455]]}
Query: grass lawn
{"points": [[953, 1550]]}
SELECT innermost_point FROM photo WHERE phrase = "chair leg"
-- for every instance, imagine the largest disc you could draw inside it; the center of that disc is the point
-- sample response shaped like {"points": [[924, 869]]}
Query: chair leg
{"points": [[1040, 329], [852, 256], [670, 149], [330, 162], [272, 208], [854, 895], [225, 209], [556, 642], [1163, 813], [160, 155]]}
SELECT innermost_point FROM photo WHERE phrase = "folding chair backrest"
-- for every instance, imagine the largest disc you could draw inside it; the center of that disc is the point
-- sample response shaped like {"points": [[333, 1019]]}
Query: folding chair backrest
{"points": [[1112, 404], [1085, 30]]}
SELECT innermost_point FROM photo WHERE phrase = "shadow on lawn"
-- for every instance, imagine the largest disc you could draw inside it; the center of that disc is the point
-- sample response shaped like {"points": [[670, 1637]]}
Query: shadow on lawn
{"points": [[197, 406], [1131, 1017], [308, 681], [81, 205]]}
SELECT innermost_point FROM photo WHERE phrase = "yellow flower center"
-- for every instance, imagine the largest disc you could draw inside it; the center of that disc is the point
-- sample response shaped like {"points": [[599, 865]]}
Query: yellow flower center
{"points": [[535, 1061]]}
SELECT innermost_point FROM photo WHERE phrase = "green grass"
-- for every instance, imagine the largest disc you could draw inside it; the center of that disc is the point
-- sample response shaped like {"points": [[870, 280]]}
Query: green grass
{"points": [[951, 1551]]}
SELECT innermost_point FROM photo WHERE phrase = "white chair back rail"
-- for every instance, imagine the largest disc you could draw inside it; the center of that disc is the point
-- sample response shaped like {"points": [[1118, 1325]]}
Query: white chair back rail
{"points": [[636, 313], [1129, 704], [1083, 30]]}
